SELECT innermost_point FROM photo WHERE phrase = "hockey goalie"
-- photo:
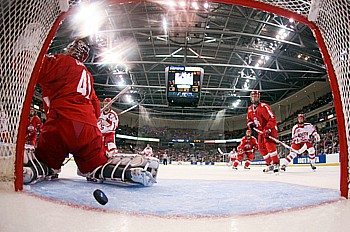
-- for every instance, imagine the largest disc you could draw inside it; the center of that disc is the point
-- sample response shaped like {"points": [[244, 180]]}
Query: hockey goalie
{"points": [[129, 168], [72, 109]]}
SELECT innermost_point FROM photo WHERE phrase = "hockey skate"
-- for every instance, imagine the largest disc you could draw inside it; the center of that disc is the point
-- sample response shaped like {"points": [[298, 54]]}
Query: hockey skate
{"points": [[313, 166], [234, 168], [268, 169], [246, 168], [276, 168], [283, 167]]}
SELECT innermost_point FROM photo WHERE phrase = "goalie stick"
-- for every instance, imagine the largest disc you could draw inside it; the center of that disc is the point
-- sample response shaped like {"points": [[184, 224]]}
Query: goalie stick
{"points": [[116, 97], [300, 151]]}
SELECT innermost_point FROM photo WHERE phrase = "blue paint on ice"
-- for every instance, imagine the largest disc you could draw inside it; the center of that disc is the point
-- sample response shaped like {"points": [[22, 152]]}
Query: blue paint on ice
{"points": [[188, 197]]}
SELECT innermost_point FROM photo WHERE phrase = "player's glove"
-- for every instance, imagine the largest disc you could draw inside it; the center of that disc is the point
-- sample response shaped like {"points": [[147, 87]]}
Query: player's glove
{"points": [[267, 133]]}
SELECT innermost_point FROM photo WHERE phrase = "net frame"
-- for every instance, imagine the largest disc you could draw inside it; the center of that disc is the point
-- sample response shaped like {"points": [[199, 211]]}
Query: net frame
{"points": [[329, 30]]}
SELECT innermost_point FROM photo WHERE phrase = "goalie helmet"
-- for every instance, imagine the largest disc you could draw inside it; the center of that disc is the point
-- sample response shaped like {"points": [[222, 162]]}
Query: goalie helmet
{"points": [[78, 50], [255, 96]]}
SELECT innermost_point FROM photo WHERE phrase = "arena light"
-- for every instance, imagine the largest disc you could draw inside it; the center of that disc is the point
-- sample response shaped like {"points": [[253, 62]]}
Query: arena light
{"points": [[89, 19]]}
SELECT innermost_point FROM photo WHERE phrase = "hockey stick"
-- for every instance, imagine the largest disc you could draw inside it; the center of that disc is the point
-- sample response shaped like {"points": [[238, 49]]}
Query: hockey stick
{"points": [[220, 151], [300, 151], [65, 162], [116, 97], [123, 112]]}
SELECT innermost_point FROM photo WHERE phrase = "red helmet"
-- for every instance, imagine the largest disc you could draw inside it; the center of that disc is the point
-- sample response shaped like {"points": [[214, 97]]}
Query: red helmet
{"points": [[255, 93], [248, 133], [78, 50]]}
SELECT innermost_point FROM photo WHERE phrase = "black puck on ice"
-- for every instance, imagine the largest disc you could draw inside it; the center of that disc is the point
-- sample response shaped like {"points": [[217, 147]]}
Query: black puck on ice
{"points": [[100, 197]]}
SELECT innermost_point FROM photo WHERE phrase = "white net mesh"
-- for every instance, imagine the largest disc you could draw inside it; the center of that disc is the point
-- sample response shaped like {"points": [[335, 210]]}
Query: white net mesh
{"points": [[25, 25], [24, 28]]}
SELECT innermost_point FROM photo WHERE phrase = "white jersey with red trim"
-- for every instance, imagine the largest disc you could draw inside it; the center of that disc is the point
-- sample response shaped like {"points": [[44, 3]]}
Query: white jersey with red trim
{"points": [[148, 151], [301, 132], [232, 155], [108, 122]]}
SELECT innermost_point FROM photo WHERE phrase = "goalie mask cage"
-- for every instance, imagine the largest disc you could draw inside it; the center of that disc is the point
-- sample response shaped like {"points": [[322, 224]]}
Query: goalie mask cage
{"points": [[28, 27]]}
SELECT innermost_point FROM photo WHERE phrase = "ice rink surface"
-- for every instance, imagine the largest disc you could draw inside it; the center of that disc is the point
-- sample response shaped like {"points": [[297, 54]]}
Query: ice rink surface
{"points": [[25, 211]]}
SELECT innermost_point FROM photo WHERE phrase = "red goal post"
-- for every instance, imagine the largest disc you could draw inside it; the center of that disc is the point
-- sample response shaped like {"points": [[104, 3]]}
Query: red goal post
{"points": [[28, 29]]}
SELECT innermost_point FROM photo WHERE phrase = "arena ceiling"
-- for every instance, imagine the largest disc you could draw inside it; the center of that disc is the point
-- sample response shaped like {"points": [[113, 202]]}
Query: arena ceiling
{"points": [[239, 48]]}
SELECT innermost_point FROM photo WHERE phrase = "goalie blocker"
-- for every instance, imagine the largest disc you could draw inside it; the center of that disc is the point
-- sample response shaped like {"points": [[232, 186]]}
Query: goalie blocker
{"points": [[130, 168]]}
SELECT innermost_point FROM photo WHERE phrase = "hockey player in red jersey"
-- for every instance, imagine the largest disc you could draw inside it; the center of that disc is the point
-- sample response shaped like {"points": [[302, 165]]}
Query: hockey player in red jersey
{"points": [[301, 133], [108, 123], [72, 109], [33, 127], [260, 116], [247, 147]]}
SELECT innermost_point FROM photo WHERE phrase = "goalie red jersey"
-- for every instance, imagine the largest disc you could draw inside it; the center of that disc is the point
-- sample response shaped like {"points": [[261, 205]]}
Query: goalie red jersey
{"points": [[67, 89], [72, 109]]}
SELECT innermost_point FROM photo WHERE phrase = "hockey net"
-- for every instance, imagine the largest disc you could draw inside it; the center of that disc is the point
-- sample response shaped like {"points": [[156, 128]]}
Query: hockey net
{"points": [[24, 38]]}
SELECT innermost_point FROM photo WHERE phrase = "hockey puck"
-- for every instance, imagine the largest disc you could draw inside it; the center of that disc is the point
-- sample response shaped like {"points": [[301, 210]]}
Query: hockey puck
{"points": [[100, 197]]}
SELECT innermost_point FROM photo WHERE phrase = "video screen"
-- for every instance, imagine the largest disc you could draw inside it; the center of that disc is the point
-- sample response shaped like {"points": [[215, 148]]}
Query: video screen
{"points": [[184, 78], [183, 83]]}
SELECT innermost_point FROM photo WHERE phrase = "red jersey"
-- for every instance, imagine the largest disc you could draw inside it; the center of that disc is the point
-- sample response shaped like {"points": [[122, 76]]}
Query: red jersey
{"points": [[34, 124], [248, 145], [68, 89], [262, 116]]}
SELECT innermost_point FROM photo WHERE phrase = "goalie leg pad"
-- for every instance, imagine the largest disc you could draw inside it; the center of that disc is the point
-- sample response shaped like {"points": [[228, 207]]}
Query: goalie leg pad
{"points": [[34, 170], [133, 160], [113, 173]]}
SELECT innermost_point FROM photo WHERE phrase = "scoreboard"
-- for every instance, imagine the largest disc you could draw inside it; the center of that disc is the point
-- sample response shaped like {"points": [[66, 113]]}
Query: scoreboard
{"points": [[183, 85]]}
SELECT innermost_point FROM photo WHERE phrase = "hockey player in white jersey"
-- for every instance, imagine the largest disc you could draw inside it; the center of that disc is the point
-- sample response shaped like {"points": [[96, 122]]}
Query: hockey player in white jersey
{"points": [[232, 157], [148, 151], [108, 123], [301, 133]]}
